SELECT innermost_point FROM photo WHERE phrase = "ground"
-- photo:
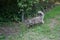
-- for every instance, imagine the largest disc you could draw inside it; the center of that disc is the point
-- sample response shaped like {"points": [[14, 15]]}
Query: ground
{"points": [[50, 30]]}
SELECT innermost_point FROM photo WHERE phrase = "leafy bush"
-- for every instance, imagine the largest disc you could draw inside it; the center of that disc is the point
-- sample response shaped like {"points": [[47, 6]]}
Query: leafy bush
{"points": [[18, 10], [8, 10]]}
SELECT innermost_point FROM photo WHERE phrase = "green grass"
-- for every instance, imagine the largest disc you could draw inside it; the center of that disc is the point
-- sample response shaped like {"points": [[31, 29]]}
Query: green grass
{"points": [[52, 13], [44, 31]]}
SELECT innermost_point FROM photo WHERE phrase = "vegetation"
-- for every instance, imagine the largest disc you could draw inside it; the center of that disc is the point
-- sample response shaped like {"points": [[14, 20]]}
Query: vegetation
{"points": [[47, 31], [18, 10]]}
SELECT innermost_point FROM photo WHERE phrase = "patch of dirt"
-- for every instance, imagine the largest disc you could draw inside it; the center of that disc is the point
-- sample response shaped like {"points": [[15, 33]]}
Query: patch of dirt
{"points": [[53, 23], [7, 30]]}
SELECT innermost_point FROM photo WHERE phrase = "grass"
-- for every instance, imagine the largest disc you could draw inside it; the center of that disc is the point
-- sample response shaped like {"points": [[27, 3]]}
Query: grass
{"points": [[52, 13], [50, 30]]}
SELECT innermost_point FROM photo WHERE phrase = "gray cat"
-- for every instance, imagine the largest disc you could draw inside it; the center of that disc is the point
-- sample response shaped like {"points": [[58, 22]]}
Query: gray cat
{"points": [[35, 20]]}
